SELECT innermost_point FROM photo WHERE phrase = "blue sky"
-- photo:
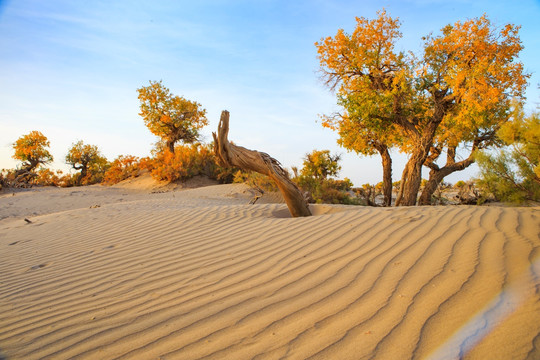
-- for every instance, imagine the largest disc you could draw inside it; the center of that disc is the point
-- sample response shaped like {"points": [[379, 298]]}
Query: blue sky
{"points": [[70, 69]]}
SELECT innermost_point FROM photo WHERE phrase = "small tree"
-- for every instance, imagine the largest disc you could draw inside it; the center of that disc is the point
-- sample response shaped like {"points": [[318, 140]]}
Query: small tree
{"points": [[89, 160], [320, 164], [315, 178], [514, 174], [31, 149], [170, 117], [355, 136]]}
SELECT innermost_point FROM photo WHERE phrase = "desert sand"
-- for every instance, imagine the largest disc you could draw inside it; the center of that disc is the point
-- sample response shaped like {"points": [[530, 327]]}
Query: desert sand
{"points": [[139, 272]]}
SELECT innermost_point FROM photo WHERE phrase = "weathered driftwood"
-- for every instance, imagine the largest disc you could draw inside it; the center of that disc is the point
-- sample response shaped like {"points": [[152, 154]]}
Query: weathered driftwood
{"points": [[232, 155]]}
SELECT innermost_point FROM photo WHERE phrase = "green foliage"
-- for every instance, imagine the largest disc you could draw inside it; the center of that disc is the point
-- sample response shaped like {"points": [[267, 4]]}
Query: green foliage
{"points": [[367, 193], [456, 93], [320, 164], [513, 174], [96, 171], [255, 180], [314, 179], [328, 191]]}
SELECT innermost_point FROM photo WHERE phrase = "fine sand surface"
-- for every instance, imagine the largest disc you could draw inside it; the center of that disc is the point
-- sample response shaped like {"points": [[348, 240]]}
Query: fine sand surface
{"points": [[129, 272]]}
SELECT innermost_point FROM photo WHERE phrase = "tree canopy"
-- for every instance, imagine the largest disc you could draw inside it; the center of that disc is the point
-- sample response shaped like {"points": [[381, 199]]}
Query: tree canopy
{"points": [[171, 117], [458, 91], [32, 150], [320, 164], [89, 160]]}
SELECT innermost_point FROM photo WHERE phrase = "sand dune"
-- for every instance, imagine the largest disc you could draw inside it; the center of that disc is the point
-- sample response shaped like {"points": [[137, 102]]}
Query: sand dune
{"points": [[192, 274]]}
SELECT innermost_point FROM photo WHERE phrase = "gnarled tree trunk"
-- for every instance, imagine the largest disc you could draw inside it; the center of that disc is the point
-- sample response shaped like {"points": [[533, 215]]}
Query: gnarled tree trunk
{"points": [[410, 182], [82, 174], [436, 174], [232, 155], [25, 174], [412, 174], [435, 178]]}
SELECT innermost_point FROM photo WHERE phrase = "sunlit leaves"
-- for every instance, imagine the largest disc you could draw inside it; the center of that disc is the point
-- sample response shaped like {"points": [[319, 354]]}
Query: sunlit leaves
{"points": [[458, 91], [89, 160], [373, 81], [32, 149], [186, 162], [123, 167], [81, 154], [169, 116], [315, 179], [475, 65], [513, 174], [321, 164]]}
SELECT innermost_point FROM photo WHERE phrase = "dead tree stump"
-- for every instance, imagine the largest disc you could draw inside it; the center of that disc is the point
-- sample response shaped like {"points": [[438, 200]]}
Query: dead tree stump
{"points": [[232, 155]]}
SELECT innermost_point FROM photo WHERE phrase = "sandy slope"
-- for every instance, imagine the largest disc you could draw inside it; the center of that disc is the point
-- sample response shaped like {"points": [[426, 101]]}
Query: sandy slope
{"points": [[200, 274]]}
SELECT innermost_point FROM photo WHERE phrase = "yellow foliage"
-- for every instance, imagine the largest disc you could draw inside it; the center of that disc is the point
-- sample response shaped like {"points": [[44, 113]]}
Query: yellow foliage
{"points": [[47, 177], [172, 118], [459, 91], [186, 162], [89, 160], [123, 167], [32, 148]]}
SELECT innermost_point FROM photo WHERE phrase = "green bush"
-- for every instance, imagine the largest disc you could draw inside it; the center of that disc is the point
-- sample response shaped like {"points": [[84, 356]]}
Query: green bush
{"points": [[255, 180], [513, 173]]}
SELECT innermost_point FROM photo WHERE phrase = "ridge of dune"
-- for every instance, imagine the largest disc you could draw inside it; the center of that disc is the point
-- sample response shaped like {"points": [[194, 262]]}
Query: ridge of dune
{"points": [[203, 275], [46, 200]]}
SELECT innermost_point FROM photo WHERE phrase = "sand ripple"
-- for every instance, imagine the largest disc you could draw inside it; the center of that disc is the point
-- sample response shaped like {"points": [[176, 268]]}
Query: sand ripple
{"points": [[163, 279]]}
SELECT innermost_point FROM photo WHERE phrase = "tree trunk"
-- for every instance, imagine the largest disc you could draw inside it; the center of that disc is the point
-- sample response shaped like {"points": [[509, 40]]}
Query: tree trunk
{"points": [[410, 181], [436, 174], [170, 146], [232, 155], [435, 178], [387, 176], [82, 175], [25, 174], [412, 174]]}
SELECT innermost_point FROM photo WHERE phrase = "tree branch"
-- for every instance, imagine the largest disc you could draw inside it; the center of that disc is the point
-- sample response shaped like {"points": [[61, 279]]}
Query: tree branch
{"points": [[230, 155]]}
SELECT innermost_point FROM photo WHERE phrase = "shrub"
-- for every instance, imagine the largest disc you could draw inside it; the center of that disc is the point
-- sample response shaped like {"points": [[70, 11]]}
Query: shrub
{"points": [[122, 168], [327, 191], [43, 177], [186, 162], [47, 177], [513, 173], [255, 180], [314, 179]]}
